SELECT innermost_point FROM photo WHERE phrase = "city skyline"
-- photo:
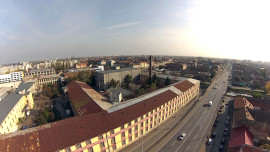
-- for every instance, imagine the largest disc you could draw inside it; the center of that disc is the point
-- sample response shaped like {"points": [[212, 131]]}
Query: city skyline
{"points": [[36, 30]]}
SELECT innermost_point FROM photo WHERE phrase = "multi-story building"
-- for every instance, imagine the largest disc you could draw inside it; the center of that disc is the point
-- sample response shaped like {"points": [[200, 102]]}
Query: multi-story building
{"points": [[11, 77], [45, 80], [13, 106], [111, 129], [103, 78], [37, 73]]}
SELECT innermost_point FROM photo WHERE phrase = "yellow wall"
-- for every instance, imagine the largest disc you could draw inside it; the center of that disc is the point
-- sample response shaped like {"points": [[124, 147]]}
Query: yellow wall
{"points": [[173, 106], [10, 123]]}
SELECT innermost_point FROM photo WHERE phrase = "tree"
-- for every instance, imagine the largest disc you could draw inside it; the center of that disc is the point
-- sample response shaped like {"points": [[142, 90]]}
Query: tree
{"points": [[113, 83], [127, 80], [167, 81], [154, 78], [267, 87]]}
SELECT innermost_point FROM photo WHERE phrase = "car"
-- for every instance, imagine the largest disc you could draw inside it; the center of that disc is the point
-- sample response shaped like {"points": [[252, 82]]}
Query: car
{"points": [[213, 135], [209, 141], [223, 141], [181, 137], [226, 129]]}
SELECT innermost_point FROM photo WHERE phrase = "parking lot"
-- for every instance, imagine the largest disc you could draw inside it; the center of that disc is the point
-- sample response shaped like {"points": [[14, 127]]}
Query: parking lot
{"points": [[220, 134]]}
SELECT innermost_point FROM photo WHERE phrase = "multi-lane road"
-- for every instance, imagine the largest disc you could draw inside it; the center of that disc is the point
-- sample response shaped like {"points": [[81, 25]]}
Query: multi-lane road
{"points": [[197, 123], [200, 119]]}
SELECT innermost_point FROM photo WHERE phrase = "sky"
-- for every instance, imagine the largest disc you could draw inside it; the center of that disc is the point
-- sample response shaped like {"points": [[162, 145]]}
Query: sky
{"points": [[38, 29]]}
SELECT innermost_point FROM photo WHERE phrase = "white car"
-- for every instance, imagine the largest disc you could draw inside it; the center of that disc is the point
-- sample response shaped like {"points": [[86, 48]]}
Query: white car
{"points": [[210, 103], [181, 137]]}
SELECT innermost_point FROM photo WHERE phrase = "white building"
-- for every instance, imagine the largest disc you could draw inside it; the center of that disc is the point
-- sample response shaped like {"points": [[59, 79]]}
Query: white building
{"points": [[11, 77]]}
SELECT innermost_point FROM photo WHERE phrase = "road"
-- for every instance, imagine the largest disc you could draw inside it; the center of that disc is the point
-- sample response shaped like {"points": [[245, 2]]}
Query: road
{"points": [[200, 119], [194, 119]]}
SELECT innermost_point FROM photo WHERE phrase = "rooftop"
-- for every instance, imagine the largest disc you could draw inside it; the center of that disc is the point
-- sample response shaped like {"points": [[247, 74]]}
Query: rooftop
{"points": [[86, 100], [241, 102], [64, 133], [246, 148], [240, 136], [113, 71], [11, 100]]}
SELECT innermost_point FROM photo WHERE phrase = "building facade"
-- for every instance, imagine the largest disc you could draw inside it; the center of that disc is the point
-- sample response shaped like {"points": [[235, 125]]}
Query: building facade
{"points": [[129, 132], [11, 77], [103, 78], [45, 80], [13, 107], [39, 72], [107, 130]]}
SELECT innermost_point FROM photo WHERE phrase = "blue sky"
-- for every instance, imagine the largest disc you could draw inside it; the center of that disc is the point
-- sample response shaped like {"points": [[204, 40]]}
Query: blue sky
{"points": [[38, 29]]}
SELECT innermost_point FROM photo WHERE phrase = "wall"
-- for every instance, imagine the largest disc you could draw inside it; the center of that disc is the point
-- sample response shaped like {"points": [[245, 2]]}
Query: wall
{"points": [[122, 136], [10, 123]]}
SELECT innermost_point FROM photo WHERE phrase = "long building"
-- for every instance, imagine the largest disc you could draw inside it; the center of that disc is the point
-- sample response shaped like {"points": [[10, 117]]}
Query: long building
{"points": [[111, 129], [11, 77], [103, 78], [12, 107]]}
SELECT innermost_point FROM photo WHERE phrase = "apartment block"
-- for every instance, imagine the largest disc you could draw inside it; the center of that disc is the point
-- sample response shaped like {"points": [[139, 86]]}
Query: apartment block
{"points": [[11, 77], [13, 107]]}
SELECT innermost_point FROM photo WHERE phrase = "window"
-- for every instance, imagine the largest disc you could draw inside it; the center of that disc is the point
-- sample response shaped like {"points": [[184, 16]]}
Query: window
{"points": [[130, 138], [136, 127], [90, 149], [142, 124], [114, 147], [113, 140], [112, 132], [123, 134], [78, 146], [136, 134], [123, 142], [102, 145]]}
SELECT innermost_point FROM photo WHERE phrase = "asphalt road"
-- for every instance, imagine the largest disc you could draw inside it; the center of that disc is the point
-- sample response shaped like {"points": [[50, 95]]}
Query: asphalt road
{"points": [[195, 119], [201, 119]]}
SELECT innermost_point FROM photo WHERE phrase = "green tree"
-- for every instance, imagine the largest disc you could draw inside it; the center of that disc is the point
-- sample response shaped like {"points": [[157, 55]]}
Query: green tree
{"points": [[113, 83], [127, 80], [167, 81]]}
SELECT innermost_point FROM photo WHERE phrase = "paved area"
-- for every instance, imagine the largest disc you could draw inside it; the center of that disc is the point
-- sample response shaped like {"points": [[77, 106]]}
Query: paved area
{"points": [[197, 124], [221, 130], [147, 142]]}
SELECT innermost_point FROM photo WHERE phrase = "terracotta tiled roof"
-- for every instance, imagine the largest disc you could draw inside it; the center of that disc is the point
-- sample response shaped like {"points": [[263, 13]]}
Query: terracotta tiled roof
{"points": [[241, 102], [246, 148], [241, 117], [64, 133], [240, 136], [184, 85], [80, 100]]}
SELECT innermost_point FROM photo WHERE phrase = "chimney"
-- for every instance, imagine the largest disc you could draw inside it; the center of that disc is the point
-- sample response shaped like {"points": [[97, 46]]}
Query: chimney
{"points": [[150, 68]]}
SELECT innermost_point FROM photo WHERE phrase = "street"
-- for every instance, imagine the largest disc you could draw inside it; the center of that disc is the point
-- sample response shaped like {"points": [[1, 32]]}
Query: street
{"points": [[197, 124]]}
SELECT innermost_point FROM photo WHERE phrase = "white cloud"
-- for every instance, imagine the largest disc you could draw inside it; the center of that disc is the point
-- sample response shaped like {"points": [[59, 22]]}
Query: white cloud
{"points": [[122, 25]]}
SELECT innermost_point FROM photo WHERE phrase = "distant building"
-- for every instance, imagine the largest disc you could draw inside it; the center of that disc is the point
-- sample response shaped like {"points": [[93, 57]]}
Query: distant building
{"points": [[45, 80], [242, 113], [102, 62], [81, 65], [103, 78], [37, 73], [13, 106], [11, 77], [111, 63]]}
